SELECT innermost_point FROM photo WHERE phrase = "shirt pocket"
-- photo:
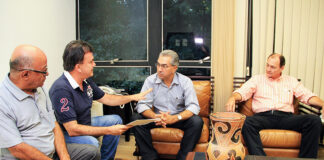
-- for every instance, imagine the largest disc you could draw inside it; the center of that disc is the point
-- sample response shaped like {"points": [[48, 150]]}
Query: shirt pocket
{"points": [[26, 122], [179, 101], [286, 96]]}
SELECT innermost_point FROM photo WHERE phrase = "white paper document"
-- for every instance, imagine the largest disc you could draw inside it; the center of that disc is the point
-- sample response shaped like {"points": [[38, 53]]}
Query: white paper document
{"points": [[142, 122]]}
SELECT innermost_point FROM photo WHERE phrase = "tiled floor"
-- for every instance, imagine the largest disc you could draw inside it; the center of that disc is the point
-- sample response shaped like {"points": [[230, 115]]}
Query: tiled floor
{"points": [[321, 152], [125, 150]]}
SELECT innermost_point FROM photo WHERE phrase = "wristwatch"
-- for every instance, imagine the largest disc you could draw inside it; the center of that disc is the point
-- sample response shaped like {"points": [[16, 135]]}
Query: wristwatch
{"points": [[179, 117]]}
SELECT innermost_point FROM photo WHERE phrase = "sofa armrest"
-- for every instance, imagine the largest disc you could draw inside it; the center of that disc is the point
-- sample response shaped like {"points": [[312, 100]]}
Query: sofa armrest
{"points": [[309, 109], [245, 107]]}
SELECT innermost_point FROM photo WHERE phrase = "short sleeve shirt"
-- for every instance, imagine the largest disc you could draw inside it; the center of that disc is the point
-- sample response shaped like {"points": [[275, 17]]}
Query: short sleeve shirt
{"points": [[70, 102], [25, 118], [178, 97]]}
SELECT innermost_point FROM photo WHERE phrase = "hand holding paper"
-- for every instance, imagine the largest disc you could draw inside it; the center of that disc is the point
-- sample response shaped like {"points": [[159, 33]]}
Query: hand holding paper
{"points": [[142, 122]]}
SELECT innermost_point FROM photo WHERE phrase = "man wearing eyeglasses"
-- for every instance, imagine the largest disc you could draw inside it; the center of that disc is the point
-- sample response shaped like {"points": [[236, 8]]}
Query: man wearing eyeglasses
{"points": [[72, 95], [28, 128], [175, 103]]}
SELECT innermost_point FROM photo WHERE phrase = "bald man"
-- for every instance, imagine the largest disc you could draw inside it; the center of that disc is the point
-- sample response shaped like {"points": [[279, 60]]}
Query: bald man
{"points": [[28, 128], [272, 102]]}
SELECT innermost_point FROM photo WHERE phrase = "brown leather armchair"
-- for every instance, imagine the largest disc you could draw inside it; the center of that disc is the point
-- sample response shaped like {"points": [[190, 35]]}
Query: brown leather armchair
{"points": [[276, 142], [166, 141]]}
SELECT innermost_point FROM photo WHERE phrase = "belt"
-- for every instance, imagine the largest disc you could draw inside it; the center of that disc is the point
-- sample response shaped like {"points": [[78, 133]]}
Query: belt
{"points": [[274, 112]]}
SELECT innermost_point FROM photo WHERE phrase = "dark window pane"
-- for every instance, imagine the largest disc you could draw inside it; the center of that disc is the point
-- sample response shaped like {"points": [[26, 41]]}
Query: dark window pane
{"points": [[187, 28], [130, 79], [115, 28], [194, 71]]}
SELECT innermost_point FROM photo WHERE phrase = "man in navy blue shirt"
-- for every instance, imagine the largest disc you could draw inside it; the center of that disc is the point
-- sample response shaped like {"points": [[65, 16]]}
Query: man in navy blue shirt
{"points": [[72, 95]]}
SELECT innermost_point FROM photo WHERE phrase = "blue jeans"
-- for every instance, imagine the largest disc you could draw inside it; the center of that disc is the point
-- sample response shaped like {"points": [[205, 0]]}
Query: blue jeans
{"points": [[109, 142]]}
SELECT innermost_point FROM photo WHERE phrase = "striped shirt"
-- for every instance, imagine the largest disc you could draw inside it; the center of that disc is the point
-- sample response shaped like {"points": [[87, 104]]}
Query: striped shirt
{"points": [[274, 94]]}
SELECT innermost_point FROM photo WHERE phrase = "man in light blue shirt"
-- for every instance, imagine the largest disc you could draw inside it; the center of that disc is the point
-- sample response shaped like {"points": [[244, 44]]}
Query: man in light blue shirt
{"points": [[175, 102], [28, 128]]}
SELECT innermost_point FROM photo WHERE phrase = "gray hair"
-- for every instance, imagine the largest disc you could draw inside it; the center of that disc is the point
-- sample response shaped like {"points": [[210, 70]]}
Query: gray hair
{"points": [[174, 56], [20, 62]]}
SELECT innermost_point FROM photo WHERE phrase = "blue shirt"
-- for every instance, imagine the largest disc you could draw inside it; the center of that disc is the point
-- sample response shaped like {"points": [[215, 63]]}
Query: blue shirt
{"points": [[25, 118], [179, 97], [70, 102]]}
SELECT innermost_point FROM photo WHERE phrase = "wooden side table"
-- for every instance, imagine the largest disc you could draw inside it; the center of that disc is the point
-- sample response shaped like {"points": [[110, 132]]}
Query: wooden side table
{"points": [[197, 156]]}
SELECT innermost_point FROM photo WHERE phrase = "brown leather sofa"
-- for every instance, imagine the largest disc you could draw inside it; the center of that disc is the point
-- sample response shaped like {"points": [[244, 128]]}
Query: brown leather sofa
{"points": [[280, 143], [166, 141]]}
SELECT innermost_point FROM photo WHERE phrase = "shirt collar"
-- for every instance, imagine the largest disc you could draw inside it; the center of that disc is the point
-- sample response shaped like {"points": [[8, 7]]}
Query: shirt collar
{"points": [[71, 80], [277, 79], [174, 81], [16, 92], [175, 78]]}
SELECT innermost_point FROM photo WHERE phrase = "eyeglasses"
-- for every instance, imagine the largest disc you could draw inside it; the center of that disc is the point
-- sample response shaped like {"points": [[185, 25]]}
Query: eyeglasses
{"points": [[37, 71], [164, 66]]}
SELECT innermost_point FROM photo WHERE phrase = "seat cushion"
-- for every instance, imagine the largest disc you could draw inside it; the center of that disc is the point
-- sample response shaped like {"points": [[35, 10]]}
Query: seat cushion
{"points": [[96, 109], [279, 152], [174, 135], [166, 134], [275, 138], [278, 138], [167, 148]]}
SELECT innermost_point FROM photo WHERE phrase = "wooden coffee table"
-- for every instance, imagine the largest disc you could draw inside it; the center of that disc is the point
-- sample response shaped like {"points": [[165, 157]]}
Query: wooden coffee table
{"points": [[197, 156], [203, 156], [253, 157]]}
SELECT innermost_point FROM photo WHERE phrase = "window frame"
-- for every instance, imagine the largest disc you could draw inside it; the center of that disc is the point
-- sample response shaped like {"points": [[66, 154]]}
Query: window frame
{"points": [[154, 41]]}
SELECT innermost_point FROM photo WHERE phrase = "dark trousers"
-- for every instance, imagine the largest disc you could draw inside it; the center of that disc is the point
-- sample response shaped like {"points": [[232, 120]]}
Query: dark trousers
{"points": [[308, 125], [81, 152], [192, 128]]}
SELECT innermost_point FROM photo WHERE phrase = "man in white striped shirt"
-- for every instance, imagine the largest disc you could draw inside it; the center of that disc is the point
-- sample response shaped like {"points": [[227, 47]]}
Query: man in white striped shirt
{"points": [[272, 102]]}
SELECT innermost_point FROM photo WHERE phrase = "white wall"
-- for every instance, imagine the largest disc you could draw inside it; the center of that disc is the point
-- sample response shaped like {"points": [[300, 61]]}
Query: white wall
{"points": [[47, 24]]}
